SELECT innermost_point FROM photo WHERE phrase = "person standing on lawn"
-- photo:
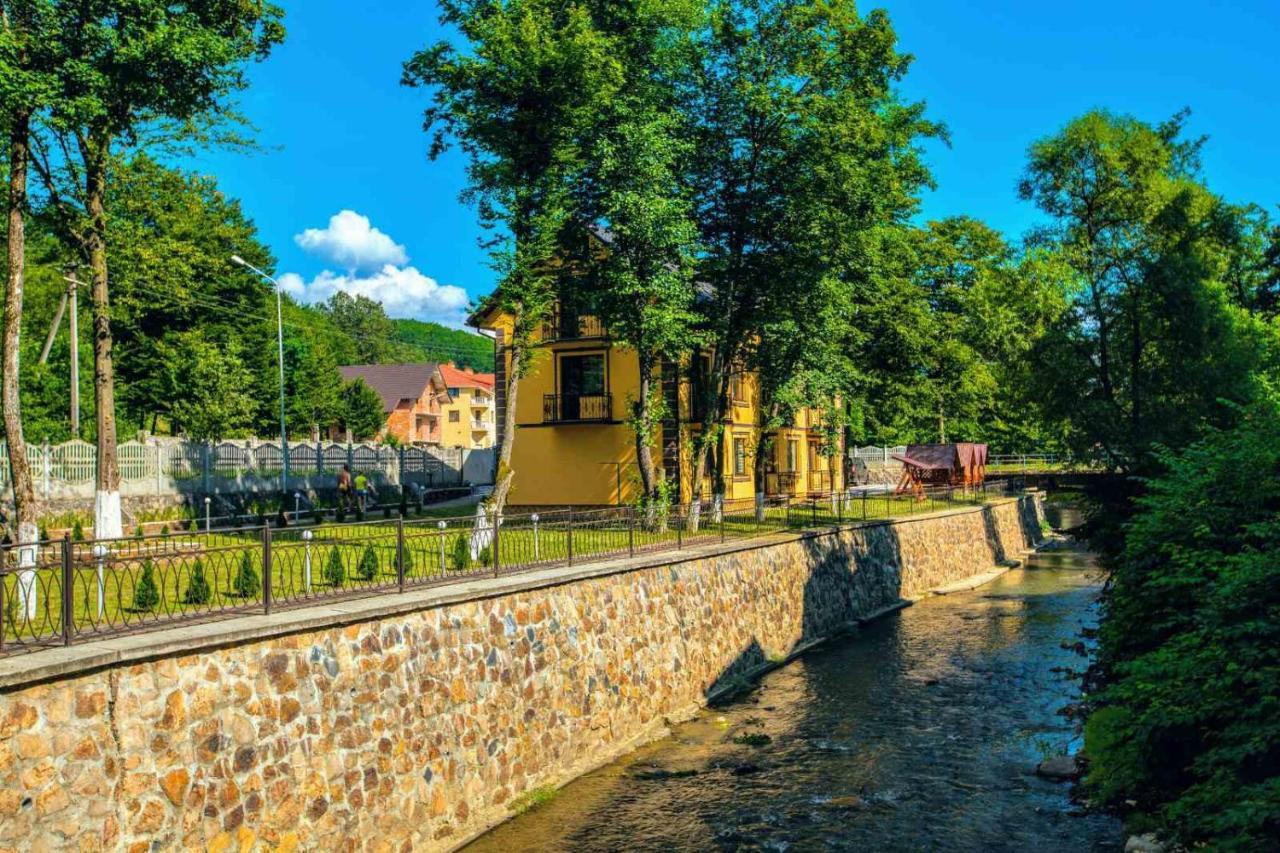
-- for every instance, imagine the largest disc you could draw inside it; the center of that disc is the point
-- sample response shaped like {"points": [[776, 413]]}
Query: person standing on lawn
{"points": [[344, 487], [362, 489]]}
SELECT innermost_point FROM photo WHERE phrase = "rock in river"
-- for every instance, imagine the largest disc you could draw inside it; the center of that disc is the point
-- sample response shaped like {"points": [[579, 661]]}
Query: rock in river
{"points": [[1060, 768]]}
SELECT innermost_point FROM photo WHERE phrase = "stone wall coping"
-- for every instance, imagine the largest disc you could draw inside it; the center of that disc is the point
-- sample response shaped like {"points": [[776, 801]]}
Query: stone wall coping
{"points": [[58, 663]]}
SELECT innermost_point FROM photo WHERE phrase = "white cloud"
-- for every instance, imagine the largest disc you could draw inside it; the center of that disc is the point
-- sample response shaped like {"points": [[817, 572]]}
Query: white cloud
{"points": [[403, 292], [352, 243]]}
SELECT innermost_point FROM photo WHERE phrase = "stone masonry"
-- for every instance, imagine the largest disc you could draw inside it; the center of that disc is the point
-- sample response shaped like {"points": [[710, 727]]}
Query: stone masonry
{"points": [[418, 731]]}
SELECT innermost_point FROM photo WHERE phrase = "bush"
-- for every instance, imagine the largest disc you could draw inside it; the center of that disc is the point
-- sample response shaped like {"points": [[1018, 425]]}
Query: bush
{"points": [[192, 527], [340, 514], [386, 512], [1183, 734], [247, 583], [42, 533], [335, 572], [146, 595], [367, 568], [317, 515], [198, 591], [486, 556], [137, 532], [77, 531], [461, 552], [164, 531]]}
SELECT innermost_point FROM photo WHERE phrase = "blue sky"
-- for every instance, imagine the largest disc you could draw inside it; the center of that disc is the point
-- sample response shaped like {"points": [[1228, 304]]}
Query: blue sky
{"points": [[340, 134]]}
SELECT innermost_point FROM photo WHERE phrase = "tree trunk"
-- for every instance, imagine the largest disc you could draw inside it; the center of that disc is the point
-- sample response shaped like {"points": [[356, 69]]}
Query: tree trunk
{"points": [[106, 499], [503, 476], [713, 403], [24, 493], [644, 430]]}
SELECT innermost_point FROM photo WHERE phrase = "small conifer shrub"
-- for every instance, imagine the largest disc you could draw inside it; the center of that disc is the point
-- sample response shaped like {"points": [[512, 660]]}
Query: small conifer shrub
{"points": [[146, 595], [335, 573], [367, 568], [247, 583], [198, 591]]}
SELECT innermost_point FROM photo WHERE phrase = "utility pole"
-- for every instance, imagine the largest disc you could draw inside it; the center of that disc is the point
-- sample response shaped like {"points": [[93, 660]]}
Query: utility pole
{"points": [[70, 296], [73, 325]]}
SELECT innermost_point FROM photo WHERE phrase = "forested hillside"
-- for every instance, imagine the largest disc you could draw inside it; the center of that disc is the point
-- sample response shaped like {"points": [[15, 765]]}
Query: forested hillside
{"points": [[195, 334]]}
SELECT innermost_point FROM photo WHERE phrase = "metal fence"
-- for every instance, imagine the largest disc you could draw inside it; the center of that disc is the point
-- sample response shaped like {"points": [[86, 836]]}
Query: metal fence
{"points": [[162, 466], [62, 591]]}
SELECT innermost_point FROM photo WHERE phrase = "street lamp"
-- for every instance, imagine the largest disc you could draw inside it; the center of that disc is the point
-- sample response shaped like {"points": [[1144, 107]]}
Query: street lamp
{"points": [[284, 438]]}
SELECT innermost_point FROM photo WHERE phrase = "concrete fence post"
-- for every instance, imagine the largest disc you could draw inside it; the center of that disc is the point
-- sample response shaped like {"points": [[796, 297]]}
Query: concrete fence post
{"points": [[206, 452], [47, 469]]}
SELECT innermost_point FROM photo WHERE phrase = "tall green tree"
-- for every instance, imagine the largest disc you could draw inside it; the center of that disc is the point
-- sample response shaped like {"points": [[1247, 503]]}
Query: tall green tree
{"points": [[204, 385], [27, 67], [802, 151], [362, 411], [531, 77], [1153, 341], [365, 324], [132, 71], [644, 289]]}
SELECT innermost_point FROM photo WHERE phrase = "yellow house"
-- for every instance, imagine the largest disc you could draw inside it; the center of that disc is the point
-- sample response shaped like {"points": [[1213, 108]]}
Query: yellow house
{"points": [[467, 418], [573, 445]]}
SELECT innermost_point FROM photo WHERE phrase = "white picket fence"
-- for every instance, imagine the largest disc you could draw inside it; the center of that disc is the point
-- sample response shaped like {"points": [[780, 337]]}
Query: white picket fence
{"points": [[160, 466], [871, 453]]}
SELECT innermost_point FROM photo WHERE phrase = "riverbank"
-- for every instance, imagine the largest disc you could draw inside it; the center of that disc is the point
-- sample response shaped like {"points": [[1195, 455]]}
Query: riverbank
{"points": [[920, 732]]}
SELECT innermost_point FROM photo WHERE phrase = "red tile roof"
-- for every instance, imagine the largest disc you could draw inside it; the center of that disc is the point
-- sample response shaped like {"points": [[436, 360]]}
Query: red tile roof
{"points": [[456, 377]]}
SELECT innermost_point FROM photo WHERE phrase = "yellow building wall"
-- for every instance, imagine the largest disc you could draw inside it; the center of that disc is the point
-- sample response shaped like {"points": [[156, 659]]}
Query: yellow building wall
{"points": [[581, 464], [470, 405], [594, 463]]}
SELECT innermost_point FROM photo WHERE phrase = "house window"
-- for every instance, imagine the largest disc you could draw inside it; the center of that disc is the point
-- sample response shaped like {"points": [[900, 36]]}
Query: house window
{"points": [[793, 453], [582, 387], [453, 393], [737, 388], [453, 417], [739, 457]]}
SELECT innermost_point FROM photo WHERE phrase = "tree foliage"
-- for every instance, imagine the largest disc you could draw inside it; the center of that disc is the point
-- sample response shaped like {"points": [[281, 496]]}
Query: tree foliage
{"points": [[1186, 738], [1153, 340]]}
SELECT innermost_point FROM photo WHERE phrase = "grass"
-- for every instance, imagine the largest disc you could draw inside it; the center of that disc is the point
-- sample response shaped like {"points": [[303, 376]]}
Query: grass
{"points": [[367, 552], [533, 798]]}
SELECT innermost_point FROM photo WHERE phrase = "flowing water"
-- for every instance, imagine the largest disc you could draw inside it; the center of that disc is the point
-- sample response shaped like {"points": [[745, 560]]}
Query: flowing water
{"points": [[920, 733]]}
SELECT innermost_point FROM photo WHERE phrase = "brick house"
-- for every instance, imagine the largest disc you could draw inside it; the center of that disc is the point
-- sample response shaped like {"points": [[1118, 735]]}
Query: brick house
{"points": [[412, 398]]}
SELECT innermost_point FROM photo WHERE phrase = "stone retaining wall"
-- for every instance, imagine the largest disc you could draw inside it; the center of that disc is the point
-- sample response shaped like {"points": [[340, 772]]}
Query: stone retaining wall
{"points": [[418, 731]]}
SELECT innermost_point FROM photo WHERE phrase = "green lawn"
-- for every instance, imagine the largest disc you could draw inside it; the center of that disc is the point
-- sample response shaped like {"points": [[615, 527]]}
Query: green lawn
{"points": [[356, 557]]}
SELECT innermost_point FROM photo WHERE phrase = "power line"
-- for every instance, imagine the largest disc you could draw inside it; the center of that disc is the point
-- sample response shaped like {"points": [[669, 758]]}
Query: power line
{"points": [[235, 310]]}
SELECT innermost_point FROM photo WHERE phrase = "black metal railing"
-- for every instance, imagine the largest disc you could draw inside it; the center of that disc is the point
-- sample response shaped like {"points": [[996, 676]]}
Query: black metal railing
{"points": [[62, 591], [557, 408], [570, 326]]}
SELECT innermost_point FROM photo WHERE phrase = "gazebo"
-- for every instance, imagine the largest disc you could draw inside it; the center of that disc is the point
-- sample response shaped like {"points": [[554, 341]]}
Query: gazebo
{"points": [[963, 465]]}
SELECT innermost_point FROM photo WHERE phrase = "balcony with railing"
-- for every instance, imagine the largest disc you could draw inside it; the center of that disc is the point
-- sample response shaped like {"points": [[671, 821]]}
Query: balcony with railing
{"points": [[572, 326], [576, 408], [820, 481], [780, 483]]}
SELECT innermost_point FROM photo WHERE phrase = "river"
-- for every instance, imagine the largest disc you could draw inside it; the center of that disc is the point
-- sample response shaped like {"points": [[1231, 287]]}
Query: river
{"points": [[920, 733]]}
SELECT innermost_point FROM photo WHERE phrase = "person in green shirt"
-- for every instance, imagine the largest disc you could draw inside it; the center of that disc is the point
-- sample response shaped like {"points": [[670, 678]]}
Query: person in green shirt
{"points": [[362, 489]]}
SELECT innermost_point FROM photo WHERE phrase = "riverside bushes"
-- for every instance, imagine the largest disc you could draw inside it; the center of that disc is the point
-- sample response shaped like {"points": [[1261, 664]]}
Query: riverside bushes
{"points": [[1185, 732]]}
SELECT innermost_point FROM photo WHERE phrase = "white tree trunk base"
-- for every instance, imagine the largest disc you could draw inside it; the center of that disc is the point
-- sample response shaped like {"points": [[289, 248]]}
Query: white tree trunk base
{"points": [[107, 520], [28, 591]]}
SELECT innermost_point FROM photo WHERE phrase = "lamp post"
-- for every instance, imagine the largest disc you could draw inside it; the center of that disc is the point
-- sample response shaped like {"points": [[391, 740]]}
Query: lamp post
{"points": [[284, 439]]}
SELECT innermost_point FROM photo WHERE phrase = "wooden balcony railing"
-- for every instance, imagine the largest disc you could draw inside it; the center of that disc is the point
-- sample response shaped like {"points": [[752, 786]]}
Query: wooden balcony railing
{"points": [[573, 408], [568, 326]]}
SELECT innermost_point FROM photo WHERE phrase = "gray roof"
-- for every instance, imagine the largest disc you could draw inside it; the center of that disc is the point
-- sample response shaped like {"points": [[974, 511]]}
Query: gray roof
{"points": [[393, 382]]}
